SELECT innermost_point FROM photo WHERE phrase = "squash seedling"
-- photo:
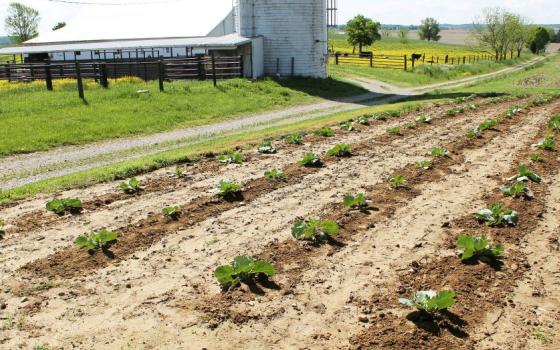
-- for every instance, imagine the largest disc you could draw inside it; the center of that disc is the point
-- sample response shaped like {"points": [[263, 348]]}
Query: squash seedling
{"points": [[347, 126], [324, 132], [439, 152], [294, 139], [410, 125], [171, 212], [340, 150], [516, 190], [266, 148], [243, 269], [231, 158], [430, 302], [363, 120], [535, 157], [396, 130], [355, 202], [274, 174], [554, 123], [65, 205], [424, 165], [314, 230], [424, 119], [497, 216], [95, 240], [474, 133], [548, 143], [478, 248], [311, 160], [487, 124], [229, 189], [397, 181], [130, 187], [525, 174]]}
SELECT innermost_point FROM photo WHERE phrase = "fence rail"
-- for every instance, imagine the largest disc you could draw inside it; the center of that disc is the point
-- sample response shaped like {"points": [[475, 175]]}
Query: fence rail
{"points": [[402, 62]]}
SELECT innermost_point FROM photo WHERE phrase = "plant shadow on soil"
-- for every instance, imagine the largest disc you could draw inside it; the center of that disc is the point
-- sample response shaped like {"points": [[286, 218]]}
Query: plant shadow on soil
{"points": [[446, 320], [496, 264], [259, 285]]}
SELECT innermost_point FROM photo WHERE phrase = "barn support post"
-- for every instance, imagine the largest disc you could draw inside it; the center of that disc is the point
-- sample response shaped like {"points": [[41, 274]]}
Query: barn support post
{"points": [[161, 74], [241, 67], [200, 66], [48, 76], [103, 79], [214, 69], [94, 66], [405, 63], [80, 82]]}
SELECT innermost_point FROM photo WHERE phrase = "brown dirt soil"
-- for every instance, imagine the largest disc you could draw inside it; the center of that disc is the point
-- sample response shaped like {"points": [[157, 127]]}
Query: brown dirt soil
{"points": [[158, 290]]}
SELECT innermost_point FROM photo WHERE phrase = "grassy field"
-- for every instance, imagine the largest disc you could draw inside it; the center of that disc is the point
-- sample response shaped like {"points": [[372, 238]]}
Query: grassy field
{"points": [[33, 119]]}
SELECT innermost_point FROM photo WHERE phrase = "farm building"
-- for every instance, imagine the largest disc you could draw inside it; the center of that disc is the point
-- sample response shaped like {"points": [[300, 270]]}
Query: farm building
{"points": [[272, 37]]}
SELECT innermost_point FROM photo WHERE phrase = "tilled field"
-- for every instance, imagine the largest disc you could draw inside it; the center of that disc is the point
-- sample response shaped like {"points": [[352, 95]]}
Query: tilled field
{"points": [[154, 288]]}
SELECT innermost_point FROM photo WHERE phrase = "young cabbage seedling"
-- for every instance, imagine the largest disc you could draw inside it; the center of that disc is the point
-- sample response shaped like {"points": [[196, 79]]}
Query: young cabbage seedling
{"points": [[430, 302], [97, 239], [231, 158], [324, 132], [172, 212], [274, 174], [526, 174], [535, 157], [294, 139], [229, 189], [516, 190], [548, 143], [497, 216], [179, 171], [410, 125], [363, 120], [424, 119], [397, 181], [64, 205], [439, 152], [348, 126], [424, 165], [243, 269], [340, 150], [130, 187], [554, 123], [381, 117], [478, 248], [311, 160], [355, 202], [473, 133], [314, 230], [266, 148], [513, 111], [487, 124], [396, 130]]}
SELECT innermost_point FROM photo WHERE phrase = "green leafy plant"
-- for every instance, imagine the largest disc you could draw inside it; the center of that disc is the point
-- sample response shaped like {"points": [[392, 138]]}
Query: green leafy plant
{"points": [[231, 158], [357, 202], [228, 189], [473, 133], [314, 230], [454, 111], [554, 123], [324, 132], [311, 160], [430, 302], [348, 126], [424, 164], [130, 187], [473, 106], [535, 157], [478, 247], [2, 224], [172, 212], [179, 172], [497, 216], [487, 124], [97, 239], [394, 130], [516, 190], [243, 269], [424, 119], [525, 174], [266, 148], [274, 174], [363, 120], [64, 205], [548, 143], [397, 181], [340, 150], [513, 111], [410, 125], [381, 117], [439, 152], [294, 139]]}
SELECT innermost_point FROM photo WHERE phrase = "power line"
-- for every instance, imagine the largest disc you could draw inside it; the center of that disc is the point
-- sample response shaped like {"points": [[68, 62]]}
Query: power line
{"points": [[114, 3]]}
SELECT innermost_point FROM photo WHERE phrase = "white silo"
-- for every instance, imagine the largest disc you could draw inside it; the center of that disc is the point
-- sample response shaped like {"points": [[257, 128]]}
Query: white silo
{"points": [[294, 34]]}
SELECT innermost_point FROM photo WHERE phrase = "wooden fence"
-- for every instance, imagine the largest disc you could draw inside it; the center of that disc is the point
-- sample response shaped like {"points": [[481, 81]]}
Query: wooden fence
{"points": [[195, 68], [402, 62]]}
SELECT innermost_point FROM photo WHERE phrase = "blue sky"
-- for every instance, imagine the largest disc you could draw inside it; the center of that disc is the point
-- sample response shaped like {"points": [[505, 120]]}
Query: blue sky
{"points": [[385, 11]]}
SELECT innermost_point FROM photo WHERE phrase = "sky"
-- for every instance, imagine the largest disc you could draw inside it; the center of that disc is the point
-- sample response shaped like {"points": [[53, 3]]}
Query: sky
{"points": [[385, 11]]}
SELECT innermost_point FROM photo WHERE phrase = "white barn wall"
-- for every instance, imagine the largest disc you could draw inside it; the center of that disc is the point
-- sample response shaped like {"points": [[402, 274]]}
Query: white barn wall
{"points": [[290, 28]]}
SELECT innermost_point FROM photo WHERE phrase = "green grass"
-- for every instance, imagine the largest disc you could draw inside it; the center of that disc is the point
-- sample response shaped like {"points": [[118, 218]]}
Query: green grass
{"points": [[33, 119]]}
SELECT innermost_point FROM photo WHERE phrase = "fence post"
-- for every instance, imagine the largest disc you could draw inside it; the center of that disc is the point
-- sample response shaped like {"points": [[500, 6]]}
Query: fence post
{"points": [[104, 81], [95, 72], [423, 58], [214, 69], [48, 76], [336, 54], [446, 59], [452, 60], [160, 75], [8, 73], [413, 62], [464, 59], [79, 79], [405, 63], [201, 74]]}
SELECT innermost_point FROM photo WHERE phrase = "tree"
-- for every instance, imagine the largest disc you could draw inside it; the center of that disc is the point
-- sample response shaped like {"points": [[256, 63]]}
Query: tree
{"points": [[493, 31], [538, 40], [403, 35], [520, 35], [22, 22], [59, 25], [362, 31], [429, 30]]}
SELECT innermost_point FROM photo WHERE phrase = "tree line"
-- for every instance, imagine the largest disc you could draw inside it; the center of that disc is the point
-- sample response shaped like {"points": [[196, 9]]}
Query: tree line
{"points": [[22, 23]]}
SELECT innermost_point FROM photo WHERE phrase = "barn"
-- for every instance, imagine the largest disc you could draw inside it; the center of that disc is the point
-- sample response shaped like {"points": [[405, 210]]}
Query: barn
{"points": [[279, 38]]}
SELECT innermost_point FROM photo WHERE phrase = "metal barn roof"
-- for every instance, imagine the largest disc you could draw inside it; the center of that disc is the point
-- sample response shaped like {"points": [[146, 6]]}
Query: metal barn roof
{"points": [[230, 41]]}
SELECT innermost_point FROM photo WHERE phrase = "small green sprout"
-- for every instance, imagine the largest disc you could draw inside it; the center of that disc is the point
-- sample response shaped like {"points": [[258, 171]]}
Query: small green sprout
{"points": [[397, 181], [65, 205], [294, 139], [311, 160], [130, 187], [410, 125], [355, 202], [243, 269], [430, 302], [497, 216], [172, 212], [478, 248], [314, 230], [439, 152], [526, 174], [548, 143], [324, 132], [231, 158], [535, 157], [363, 120], [266, 148], [424, 119], [516, 190], [396, 130], [554, 123], [348, 126], [474, 133], [487, 124], [229, 189], [97, 239], [340, 150], [424, 165], [274, 174]]}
